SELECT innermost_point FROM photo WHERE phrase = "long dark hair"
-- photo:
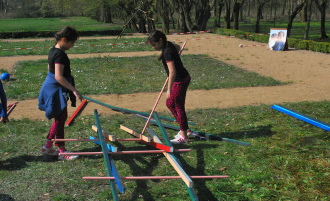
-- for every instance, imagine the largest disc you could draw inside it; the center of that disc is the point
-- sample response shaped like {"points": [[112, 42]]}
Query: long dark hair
{"points": [[67, 32], [155, 36]]}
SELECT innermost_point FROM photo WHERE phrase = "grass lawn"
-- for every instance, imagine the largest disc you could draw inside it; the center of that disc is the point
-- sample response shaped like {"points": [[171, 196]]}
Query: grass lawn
{"points": [[54, 24], [288, 159], [127, 75], [82, 46]]}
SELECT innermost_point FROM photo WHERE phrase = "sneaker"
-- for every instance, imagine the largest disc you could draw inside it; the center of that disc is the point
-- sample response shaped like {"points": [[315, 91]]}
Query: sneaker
{"points": [[177, 135], [48, 151], [189, 132], [67, 157], [179, 140]]}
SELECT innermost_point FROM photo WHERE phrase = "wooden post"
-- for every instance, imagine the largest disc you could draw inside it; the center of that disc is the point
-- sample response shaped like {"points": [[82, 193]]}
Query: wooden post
{"points": [[76, 112]]}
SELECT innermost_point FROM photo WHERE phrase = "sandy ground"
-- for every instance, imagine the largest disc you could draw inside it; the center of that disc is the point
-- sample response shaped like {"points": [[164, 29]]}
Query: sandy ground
{"points": [[306, 71]]}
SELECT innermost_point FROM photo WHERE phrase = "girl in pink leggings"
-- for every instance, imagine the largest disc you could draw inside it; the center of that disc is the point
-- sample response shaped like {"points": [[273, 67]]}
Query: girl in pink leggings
{"points": [[178, 82]]}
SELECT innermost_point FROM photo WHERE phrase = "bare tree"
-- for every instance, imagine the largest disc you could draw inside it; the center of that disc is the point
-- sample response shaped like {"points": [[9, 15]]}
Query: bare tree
{"points": [[203, 13], [161, 8], [218, 6], [236, 11], [322, 6], [228, 12], [260, 5], [308, 18]]}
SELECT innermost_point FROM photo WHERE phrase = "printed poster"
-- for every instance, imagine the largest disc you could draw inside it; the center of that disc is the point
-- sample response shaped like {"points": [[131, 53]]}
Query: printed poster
{"points": [[277, 39]]}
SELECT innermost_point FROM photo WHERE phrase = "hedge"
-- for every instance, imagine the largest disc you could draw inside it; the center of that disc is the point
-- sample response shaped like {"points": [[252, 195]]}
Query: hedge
{"points": [[300, 44]]}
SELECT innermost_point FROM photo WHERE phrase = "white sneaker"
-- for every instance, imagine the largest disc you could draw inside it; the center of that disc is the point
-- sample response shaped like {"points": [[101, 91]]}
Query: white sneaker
{"points": [[67, 157], [179, 140], [48, 151], [189, 132]]}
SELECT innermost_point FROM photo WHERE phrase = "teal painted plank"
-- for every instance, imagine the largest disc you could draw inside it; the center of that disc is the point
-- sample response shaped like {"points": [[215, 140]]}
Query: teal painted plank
{"points": [[162, 130], [109, 163], [127, 111], [202, 134]]}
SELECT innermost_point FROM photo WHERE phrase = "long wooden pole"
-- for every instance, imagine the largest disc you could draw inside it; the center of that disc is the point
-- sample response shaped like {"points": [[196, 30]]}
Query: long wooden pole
{"points": [[160, 94], [156, 177]]}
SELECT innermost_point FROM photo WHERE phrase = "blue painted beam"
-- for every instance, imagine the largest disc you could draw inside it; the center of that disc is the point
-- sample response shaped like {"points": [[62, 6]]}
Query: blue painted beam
{"points": [[110, 148], [109, 163], [302, 117]]}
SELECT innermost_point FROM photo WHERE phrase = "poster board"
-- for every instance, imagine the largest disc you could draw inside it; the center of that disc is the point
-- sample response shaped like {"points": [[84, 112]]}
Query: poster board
{"points": [[277, 39]]}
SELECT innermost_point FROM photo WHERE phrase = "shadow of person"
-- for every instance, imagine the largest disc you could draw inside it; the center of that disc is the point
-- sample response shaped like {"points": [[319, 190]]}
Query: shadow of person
{"points": [[260, 131], [20, 162], [5, 197]]}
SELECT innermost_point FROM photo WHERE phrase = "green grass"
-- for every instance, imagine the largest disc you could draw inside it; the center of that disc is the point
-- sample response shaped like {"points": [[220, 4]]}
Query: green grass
{"points": [[288, 159], [124, 44], [54, 24], [127, 75]]}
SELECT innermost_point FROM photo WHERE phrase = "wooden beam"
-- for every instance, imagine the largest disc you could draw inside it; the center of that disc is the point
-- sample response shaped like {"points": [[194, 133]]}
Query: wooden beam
{"points": [[136, 134], [154, 144], [186, 179], [106, 135], [156, 177], [109, 147], [76, 112], [201, 134], [92, 140], [123, 152], [109, 163], [127, 111]]}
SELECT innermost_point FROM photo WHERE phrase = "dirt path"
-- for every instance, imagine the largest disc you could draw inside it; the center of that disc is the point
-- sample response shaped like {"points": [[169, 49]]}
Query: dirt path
{"points": [[306, 71]]}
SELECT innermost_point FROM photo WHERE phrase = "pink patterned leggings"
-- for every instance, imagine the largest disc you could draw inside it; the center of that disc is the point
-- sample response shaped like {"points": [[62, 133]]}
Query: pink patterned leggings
{"points": [[57, 129], [176, 102]]}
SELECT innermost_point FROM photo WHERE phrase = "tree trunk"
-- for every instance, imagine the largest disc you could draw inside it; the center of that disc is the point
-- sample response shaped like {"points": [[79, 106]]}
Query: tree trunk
{"points": [[292, 16], [259, 14], [162, 11], [236, 11], [217, 12], [227, 14], [322, 8], [203, 14], [309, 14]]}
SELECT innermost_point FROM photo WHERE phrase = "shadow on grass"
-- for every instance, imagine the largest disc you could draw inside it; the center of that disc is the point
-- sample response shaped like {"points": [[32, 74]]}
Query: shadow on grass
{"points": [[261, 131], [204, 193], [20, 162], [139, 166], [5, 197]]}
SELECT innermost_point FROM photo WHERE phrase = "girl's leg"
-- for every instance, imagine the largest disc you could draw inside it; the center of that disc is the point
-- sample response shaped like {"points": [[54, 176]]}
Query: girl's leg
{"points": [[176, 104], [57, 129]]}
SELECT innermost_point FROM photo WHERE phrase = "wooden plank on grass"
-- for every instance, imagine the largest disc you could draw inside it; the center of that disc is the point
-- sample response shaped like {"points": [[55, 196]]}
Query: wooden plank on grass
{"points": [[201, 134], [156, 177], [76, 112], [127, 111], [106, 135], [153, 144], [109, 163], [109, 147], [136, 134], [186, 179]]}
